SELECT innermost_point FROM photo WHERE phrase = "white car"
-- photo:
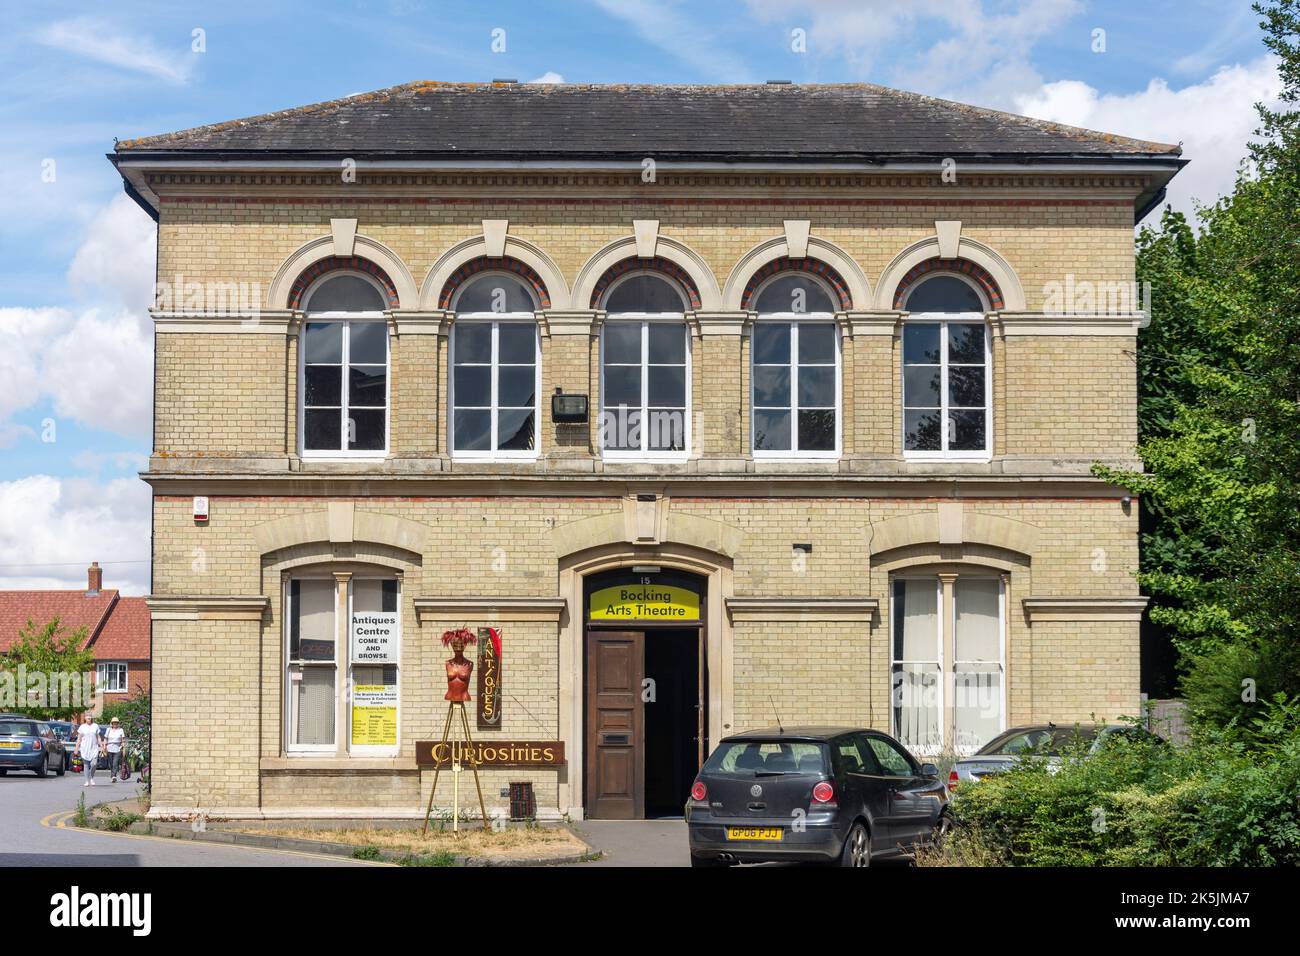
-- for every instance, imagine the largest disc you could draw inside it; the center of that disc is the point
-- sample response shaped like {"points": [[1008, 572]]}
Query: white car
{"points": [[1045, 742]]}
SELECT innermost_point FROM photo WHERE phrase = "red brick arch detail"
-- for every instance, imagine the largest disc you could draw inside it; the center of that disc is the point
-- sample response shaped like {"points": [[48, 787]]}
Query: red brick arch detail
{"points": [[658, 264], [814, 266], [488, 264], [341, 264], [967, 268]]}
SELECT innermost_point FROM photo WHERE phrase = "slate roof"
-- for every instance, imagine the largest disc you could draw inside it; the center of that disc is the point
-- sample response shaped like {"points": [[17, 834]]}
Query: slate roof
{"points": [[117, 628], [792, 123]]}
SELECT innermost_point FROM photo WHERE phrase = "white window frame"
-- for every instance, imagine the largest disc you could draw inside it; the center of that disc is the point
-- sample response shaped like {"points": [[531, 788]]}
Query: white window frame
{"points": [[794, 453], [497, 319], [946, 626], [1002, 655], [894, 611], [346, 318], [646, 318], [288, 708], [943, 319], [119, 669], [372, 750]]}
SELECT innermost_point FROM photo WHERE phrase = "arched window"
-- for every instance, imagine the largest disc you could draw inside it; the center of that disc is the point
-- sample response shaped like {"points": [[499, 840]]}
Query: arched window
{"points": [[645, 368], [795, 369], [947, 388], [344, 368], [496, 383]]}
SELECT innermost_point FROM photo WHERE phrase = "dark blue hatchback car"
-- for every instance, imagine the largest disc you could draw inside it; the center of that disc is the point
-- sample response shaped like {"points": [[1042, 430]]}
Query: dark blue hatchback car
{"points": [[841, 796], [27, 744]]}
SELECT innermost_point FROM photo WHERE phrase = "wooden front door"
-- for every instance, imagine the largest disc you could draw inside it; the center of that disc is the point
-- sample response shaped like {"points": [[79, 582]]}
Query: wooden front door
{"points": [[615, 774]]}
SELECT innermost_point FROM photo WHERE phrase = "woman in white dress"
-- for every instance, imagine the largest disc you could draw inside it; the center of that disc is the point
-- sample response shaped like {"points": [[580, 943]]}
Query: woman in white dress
{"points": [[88, 747]]}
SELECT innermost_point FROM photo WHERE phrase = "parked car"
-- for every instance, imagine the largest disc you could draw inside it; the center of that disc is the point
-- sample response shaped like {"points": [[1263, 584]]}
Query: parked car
{"points": [[27, 744], [1047, 742], [64, 731], [841, 796]]}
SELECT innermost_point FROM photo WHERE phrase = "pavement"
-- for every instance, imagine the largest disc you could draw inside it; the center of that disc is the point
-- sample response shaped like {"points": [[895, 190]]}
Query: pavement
{"points": [[653, 843], [36, 830]]}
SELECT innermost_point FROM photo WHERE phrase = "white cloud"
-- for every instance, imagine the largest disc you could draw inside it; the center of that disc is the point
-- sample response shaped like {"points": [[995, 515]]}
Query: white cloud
{"points": [[550, 76], [100, 372], [94, 39], [983, 56], [663, 24], [1213, 119], [22, 334], [52, 528], [115, 262]]}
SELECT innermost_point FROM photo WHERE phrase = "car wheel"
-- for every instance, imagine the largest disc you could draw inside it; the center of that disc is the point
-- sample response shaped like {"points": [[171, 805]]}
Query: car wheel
{"points": [[942, 827], [44, 768], [62, 767], [857, 847], [3, 772]]}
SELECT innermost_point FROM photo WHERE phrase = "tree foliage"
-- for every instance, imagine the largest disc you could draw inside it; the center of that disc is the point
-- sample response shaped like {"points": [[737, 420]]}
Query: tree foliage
{"points": [[51, 651]]}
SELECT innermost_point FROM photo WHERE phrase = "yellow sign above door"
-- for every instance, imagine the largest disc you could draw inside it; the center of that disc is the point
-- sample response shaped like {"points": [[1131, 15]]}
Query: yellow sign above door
{"points": [[644, 602]]}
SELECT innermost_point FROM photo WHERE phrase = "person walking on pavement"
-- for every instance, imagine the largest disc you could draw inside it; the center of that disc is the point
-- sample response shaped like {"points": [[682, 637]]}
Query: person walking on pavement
{"points": [[115, 741], [88, 748]]}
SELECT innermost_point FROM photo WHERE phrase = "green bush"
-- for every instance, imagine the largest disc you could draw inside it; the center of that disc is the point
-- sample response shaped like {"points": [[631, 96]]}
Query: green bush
{"points": [[1227, 799]]}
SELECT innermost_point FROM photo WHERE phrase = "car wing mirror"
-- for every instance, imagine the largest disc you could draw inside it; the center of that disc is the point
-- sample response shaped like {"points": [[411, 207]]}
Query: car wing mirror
{"points": [[929, 770]]}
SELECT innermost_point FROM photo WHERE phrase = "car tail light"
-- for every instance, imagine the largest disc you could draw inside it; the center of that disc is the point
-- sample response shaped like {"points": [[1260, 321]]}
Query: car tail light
{"points": [[823, 793], [699, 791], [36, 744], [953, 780]]}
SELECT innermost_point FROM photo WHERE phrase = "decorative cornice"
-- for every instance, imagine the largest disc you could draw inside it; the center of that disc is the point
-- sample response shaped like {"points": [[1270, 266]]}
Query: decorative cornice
{"points": [[421, 322], [882, 322], [571, 321], [476, 610], [792, 609], [239, 321], [210, 607], [1078, 323], [1127, 608]]}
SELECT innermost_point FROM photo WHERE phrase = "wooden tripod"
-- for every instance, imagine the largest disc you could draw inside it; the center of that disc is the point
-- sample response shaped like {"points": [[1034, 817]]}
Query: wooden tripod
{"points": [[459, 750]]}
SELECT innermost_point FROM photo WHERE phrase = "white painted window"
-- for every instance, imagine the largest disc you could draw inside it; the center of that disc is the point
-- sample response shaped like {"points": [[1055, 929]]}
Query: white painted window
{"points": [[795, 370], [948, 687], [111, 677], [645, 370], [333, 700], [946, 373], [496, 370], [343, 369]]}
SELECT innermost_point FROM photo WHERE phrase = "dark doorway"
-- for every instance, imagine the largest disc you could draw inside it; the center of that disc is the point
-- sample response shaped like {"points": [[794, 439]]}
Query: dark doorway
{"points": [[672, 718]]}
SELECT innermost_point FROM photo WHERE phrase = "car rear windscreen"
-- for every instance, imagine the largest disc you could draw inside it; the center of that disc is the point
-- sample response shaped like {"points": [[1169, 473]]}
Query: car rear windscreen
{"points": [[17, 728], [745, 758]]}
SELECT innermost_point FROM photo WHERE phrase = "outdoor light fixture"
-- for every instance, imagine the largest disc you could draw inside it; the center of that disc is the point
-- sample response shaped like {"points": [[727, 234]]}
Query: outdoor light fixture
{"points": [[568, 409]]}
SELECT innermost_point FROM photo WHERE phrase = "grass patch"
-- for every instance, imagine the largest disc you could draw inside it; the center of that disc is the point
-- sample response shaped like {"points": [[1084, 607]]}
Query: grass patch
{"points": [[439, 847], [113, 818]]}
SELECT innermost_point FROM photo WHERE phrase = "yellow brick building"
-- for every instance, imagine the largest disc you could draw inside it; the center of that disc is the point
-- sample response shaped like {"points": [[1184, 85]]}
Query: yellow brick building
{"points": [[721, 404]]}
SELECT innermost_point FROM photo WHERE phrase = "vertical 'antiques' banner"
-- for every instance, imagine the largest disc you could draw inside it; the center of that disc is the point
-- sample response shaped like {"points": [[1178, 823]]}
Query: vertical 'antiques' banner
{"points": [[489, 678]]}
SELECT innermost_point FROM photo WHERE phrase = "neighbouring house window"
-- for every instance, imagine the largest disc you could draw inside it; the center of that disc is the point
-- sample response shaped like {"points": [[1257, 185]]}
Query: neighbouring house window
{"points": [[949, 654], [645, 370], [495, 370], [795, 370], [110, 678], [342, 670], [946, 382], [312, 664], [344, 374]]}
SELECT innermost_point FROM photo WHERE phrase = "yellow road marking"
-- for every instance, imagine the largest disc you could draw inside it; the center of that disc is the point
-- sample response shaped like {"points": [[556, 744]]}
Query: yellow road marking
{"points": [[66, 815]]}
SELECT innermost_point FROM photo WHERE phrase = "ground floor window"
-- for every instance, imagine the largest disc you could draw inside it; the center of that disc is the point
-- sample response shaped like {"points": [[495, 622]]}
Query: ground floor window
{"points": [[110, 678], [949, 661], [342, 662]]}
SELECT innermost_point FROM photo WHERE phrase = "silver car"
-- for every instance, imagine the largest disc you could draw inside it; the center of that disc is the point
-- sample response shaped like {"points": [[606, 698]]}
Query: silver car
{"points": [[1045, 742]]}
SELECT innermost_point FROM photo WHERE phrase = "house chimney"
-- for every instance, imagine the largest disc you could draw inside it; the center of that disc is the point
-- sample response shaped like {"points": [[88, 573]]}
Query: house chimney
{"points": [[94, 578]]}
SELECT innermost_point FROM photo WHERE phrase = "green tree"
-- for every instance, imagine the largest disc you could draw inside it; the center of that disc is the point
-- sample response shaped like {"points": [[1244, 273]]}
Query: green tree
{"points": [[57, 660], [1220, 418]]}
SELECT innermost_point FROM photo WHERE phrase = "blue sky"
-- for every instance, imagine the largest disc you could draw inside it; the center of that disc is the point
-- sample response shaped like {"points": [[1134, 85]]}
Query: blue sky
{"points": [[77, 266]]}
